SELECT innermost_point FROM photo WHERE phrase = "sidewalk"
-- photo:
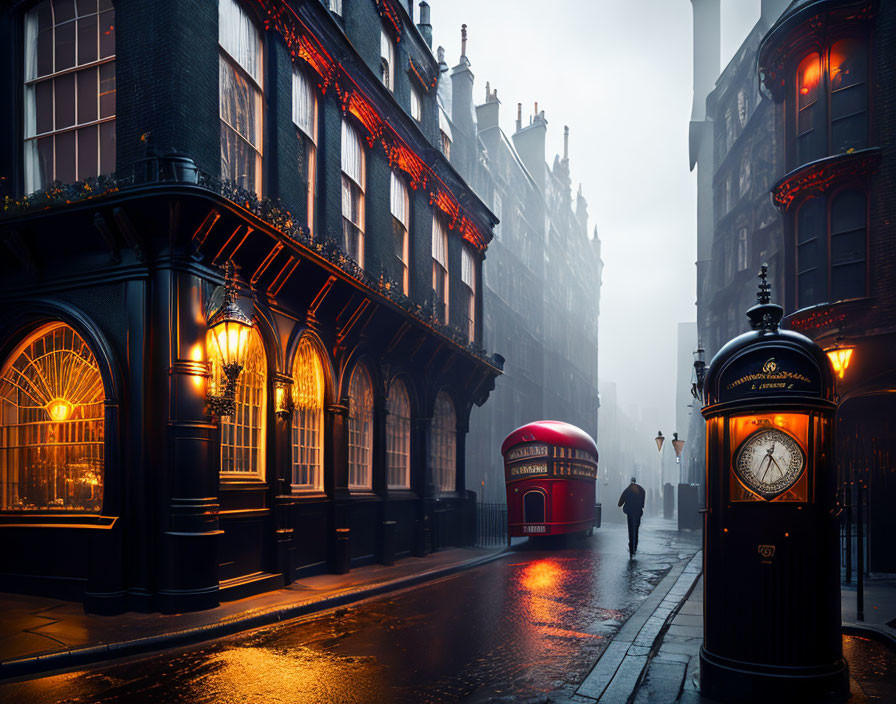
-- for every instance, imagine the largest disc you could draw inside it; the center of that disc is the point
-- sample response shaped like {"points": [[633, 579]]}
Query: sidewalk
{"points": [[660, 665], [39, 634]]}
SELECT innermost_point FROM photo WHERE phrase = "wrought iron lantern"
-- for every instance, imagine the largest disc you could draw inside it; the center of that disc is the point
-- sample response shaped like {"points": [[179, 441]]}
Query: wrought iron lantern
{"points": [[659, 440], [678, 445], [840, 357], [699, 373], [230, 329]]}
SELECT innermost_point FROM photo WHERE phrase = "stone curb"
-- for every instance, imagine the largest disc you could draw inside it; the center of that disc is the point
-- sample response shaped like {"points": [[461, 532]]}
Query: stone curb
{"points": [[868, 630], [618, 673], [44, 663]]}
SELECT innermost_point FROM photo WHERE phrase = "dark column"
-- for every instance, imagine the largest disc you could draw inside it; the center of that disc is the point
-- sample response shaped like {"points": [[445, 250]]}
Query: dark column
{"points": [[280, 479], [188, 577]]}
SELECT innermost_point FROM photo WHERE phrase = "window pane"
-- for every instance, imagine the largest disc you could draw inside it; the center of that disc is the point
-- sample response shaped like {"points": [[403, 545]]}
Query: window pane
{"points": [[65, 101], [65, 45], [107, 34], [847, 211], [43, 93], [848, 281], [87, 39], [87, 95], [38, 163], [63, 10], [65, 157], [107, 147], [810, 139], [811, 252], [811, 220], [848, 133], [239, 103], [86, 7], [107, 89], [45, 52], [87, 152]]}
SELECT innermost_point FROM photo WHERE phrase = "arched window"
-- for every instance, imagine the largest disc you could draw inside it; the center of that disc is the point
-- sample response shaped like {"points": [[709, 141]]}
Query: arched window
{"points": [[69, 93], [811, 253], [308, 420], [849, 96], [398, 437], [848, 245], [242, 434], [360, 429], [443, 444], [810, 136], [52, 425]]}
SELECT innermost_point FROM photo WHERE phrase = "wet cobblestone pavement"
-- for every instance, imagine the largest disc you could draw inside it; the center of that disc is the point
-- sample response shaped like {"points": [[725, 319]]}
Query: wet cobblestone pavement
{"points": [[527, 627]]}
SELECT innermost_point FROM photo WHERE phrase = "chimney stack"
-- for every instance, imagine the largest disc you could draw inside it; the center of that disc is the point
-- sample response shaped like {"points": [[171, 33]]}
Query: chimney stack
{"points": [[566, 148], [463, 41], [424, 25], [487, 114], [519, 116]]}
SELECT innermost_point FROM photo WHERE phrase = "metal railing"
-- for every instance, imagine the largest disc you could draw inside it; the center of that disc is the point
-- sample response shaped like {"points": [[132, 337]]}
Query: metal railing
{"points": [[491, 524]]}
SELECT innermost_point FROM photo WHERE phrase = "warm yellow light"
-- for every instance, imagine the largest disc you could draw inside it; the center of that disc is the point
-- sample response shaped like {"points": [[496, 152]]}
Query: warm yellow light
{"points": [[232, 339], [280, 397], [840, 359], [59, 409]]}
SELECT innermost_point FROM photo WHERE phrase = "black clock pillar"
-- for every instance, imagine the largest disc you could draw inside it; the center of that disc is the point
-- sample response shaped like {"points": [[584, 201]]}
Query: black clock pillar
{"points": [[771, 572]]}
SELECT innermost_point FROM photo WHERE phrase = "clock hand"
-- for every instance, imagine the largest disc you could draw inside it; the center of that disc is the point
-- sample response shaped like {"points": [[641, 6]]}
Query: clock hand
{"points": [[767, 466]]}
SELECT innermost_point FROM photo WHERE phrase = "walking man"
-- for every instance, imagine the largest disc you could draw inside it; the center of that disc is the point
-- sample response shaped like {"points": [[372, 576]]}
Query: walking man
{"points": [[632, 502]]}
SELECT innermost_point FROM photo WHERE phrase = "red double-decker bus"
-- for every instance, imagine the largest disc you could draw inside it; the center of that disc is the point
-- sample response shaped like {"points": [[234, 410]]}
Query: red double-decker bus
{"points": [[550, 469]]}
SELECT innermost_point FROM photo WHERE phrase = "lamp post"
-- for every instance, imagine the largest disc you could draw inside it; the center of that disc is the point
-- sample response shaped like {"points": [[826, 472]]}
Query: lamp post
{"points": [[230, 328]]}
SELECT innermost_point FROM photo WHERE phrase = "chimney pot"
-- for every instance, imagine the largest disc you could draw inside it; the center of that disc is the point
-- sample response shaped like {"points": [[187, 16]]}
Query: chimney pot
{"points": [[566, 145], [463, 40]]}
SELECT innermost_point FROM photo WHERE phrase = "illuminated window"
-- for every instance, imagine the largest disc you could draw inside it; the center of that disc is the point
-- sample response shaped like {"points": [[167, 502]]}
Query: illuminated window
{"points": [[400, 224], [387, 61], [832, 103], [809, 133], [241, 96], [52, 425], [468, 278], [304, 116], [308, 418], [849, 96], [242, 434], [416, 104], [831, 248], [352, 193], [440, 268], [443, 444], [69, 118], [360, 429], [398, 437]]}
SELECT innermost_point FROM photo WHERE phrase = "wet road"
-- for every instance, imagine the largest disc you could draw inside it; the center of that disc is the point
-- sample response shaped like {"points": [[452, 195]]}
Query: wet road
{"points": [[522, 628]]}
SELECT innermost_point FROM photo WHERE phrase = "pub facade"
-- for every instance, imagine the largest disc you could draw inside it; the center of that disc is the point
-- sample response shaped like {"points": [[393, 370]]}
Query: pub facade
{"points": [[239, 313]]}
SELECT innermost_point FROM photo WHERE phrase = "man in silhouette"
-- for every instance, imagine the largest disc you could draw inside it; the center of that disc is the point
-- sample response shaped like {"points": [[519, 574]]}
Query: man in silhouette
{"points": [[632, 502]]}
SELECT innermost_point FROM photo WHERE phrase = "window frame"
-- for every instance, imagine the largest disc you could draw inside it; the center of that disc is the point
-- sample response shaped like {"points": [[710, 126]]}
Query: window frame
{"points": [[416, 102], [443, 445], [825, 263], [316, 485], [360, 470], [440, 271], [257, 85], [387, 46], [310, 142], [403, 227], [468, 259], [356, 190], [29, 111], [403, 437]]}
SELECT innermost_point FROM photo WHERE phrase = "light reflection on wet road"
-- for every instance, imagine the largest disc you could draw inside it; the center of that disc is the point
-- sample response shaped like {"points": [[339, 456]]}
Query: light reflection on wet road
{"points": [[527, 626]]}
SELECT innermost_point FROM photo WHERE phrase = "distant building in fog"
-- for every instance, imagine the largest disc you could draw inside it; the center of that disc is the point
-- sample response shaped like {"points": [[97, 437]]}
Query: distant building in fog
{"points": [[542, 279], [733, 146]]}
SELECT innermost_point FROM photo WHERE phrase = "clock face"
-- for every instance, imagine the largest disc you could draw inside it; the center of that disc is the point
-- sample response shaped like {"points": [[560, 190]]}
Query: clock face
{"points": [[769, 462]]}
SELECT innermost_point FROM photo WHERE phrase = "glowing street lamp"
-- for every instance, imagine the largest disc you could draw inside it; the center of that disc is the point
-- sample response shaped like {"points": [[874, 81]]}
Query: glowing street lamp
{"points": [[230, 328], [840, 357]]}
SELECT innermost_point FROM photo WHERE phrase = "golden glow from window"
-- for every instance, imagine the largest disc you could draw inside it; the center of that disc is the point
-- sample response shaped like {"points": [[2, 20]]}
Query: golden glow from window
{"points": [[443, 444], [809, 74], [308, 420], [242, 434], [360, 429], [840, 358], [52, 424]]}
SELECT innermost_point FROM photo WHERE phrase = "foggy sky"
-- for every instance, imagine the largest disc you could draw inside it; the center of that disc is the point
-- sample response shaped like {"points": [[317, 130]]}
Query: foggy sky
{"points": [[619, 73]]}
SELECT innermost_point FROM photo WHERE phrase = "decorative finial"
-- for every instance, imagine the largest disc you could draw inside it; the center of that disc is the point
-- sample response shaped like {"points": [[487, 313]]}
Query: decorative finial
{"points": [[763, 295], [765, 315]]}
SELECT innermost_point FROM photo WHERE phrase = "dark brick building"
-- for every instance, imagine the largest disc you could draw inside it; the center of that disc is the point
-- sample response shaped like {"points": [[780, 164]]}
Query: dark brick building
{"points": [[830, 68], [144, 146]]}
